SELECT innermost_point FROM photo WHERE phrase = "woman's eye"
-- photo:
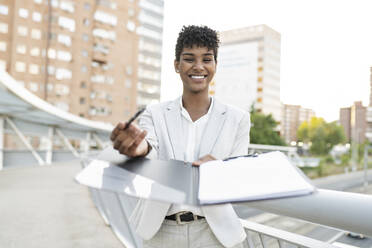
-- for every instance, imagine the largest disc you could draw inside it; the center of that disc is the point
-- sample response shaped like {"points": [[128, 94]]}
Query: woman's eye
{"points": [[207, 60]]}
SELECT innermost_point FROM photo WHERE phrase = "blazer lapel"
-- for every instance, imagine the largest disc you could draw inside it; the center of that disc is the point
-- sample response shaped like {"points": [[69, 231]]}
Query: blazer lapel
{"points": [[212, 130], [174, 125]]}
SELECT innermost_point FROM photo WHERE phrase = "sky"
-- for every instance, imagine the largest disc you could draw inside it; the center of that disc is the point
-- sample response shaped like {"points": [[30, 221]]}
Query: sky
{"points": [[326, 46]]}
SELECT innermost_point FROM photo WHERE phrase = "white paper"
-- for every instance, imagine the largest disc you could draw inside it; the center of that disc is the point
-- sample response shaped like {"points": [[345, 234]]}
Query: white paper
{"points": [[267, 176]]}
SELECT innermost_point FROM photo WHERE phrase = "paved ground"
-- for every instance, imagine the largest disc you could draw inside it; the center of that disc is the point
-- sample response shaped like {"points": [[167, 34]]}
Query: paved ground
{"points": [[44, 207]]}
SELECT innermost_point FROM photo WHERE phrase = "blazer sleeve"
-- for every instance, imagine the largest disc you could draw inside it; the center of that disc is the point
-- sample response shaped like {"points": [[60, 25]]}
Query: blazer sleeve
{"points": [[241, 141], [146, 123]]}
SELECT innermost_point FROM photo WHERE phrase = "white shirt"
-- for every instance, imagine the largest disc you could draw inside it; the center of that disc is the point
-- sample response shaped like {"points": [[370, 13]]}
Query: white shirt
{"points": [[193, 134]]}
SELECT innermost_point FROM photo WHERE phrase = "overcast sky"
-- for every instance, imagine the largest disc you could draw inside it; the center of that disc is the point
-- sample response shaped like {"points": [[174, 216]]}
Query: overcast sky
{"points": [[326, 45]]}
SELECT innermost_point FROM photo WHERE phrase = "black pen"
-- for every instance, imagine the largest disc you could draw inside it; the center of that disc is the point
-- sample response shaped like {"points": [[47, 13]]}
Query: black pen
{"points": [[134, 117]]}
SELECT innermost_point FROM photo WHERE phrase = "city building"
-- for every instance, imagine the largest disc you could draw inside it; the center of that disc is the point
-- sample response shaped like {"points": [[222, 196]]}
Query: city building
{"points": [[99, 59], [354, 122], [369, 112], [293, 116], [249, 69]]}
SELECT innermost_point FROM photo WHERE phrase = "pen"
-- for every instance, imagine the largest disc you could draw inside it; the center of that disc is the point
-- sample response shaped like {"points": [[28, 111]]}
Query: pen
{"points": [[134, 117]]}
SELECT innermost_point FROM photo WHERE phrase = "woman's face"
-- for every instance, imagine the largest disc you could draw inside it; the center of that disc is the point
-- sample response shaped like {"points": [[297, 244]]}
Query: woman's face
{"points": [[196, 67]]}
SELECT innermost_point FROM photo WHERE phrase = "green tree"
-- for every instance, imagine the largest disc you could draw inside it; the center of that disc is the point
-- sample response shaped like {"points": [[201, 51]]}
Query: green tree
{"points": [[322, 135], [263, 130]]}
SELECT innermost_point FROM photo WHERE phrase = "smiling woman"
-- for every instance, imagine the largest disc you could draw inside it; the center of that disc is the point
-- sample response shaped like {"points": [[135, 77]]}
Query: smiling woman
{"points": [[194, 128]]}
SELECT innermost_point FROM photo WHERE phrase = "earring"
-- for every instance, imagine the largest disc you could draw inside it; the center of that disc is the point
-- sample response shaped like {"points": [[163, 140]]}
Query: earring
{"points": [[177, 71]]}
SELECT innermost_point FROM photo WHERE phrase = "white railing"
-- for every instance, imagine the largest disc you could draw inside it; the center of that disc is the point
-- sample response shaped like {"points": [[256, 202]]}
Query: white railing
{"points": [[264, 236], [348, 211]]}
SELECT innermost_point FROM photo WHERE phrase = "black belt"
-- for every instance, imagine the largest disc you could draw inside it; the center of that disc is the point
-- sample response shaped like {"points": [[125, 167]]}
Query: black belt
{"points": [[182, 217]]}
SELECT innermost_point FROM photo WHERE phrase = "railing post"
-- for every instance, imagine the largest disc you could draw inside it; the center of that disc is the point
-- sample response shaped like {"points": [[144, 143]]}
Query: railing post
{"points": [[1, 142], [67, 143], [25, 141], [49, 153], [365, 183]]}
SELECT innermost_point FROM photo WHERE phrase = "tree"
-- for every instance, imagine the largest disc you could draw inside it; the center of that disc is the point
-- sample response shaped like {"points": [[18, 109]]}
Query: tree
{"points": [[263, 130], [322, 136]]}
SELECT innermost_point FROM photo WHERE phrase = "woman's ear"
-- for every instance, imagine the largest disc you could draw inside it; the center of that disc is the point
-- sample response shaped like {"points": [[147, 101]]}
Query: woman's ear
{"points": [[176, 66]]}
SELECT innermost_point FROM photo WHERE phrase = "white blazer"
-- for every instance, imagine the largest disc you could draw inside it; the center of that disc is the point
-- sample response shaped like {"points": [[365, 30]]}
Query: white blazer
{"points": [[226, 135]]}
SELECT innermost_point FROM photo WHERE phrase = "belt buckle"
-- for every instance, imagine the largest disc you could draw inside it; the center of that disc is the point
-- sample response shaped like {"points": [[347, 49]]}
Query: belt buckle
{"points": [[178, 217]]}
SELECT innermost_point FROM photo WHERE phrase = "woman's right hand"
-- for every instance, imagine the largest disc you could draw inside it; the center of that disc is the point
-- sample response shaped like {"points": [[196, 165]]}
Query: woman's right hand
{"points": [[131, 141]]}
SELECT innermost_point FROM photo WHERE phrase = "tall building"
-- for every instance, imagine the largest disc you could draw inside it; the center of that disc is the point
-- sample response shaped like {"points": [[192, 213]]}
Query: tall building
{"points": [[354, 122], [249, 69], [293, 116], [345, 117], [99, 59], [369, 112]]}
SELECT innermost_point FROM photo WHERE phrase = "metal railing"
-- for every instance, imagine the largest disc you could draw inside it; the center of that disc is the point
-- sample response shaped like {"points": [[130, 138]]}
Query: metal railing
{"points": [[349, 211]]}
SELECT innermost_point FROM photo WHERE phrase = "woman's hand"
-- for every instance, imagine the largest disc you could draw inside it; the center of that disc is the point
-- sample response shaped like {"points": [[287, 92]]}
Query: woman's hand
{"points": [[131, 141], [203, 159]]}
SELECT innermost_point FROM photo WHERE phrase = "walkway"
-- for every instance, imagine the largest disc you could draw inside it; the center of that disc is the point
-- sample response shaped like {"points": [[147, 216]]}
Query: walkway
{"points": [[44, 207]]}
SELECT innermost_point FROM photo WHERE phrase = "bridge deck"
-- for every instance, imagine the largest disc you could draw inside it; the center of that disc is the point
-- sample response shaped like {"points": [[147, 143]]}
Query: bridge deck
{"points": [[44, 207]]}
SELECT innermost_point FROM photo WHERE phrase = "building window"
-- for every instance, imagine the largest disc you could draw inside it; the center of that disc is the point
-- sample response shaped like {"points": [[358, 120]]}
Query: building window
{"points": [[85, 37], [83, 85], [66, 23], [64, 39], [54, 3], [34, 86], [36, 17], [3, 28], [22, 30], [62, 73], [62, 89], [67, 6], [84, 53], [84, 69], [51, 70], [128, 83], [131, 12], [86, 22], [35, 51], [36, 34], [86, 6], [33, 69], [129, 70], [105, 18], [64, 56], [21, 49], [104, 34], [2, 65], [3, 10], [20, 66], [23, 13], [82, 100], [38, 1], [52, 36], [131, 26], [3, 46], [52, 54]]}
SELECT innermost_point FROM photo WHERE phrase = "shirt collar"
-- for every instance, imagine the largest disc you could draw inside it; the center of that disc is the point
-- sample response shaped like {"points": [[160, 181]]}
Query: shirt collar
{"points": [[186, 114]]}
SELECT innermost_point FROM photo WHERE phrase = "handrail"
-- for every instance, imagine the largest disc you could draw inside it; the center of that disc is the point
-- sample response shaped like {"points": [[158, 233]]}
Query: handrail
{"points": [[281, 236], [342, 210]]}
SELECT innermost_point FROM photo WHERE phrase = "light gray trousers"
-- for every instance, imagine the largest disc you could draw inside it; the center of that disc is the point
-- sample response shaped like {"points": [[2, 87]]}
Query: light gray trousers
{"points": [[195, 234]]}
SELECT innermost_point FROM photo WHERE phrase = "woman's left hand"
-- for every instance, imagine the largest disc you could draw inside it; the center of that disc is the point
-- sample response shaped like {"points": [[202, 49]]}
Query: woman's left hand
{"points": [[203, 159]]}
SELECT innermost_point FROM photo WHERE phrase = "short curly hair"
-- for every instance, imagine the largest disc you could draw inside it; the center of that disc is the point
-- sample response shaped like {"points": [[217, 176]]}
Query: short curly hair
{"points": [[201, 36]]}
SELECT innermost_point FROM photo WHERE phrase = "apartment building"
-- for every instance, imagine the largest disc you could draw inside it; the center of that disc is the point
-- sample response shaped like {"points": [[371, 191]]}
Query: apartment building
{"points": [[249, 69], [369, 112], [293, 116], [354, 122], [99, 59]]}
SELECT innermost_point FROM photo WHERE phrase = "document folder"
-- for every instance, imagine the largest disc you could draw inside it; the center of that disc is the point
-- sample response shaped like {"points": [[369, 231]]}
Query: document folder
{"points": [[266, 176]]}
